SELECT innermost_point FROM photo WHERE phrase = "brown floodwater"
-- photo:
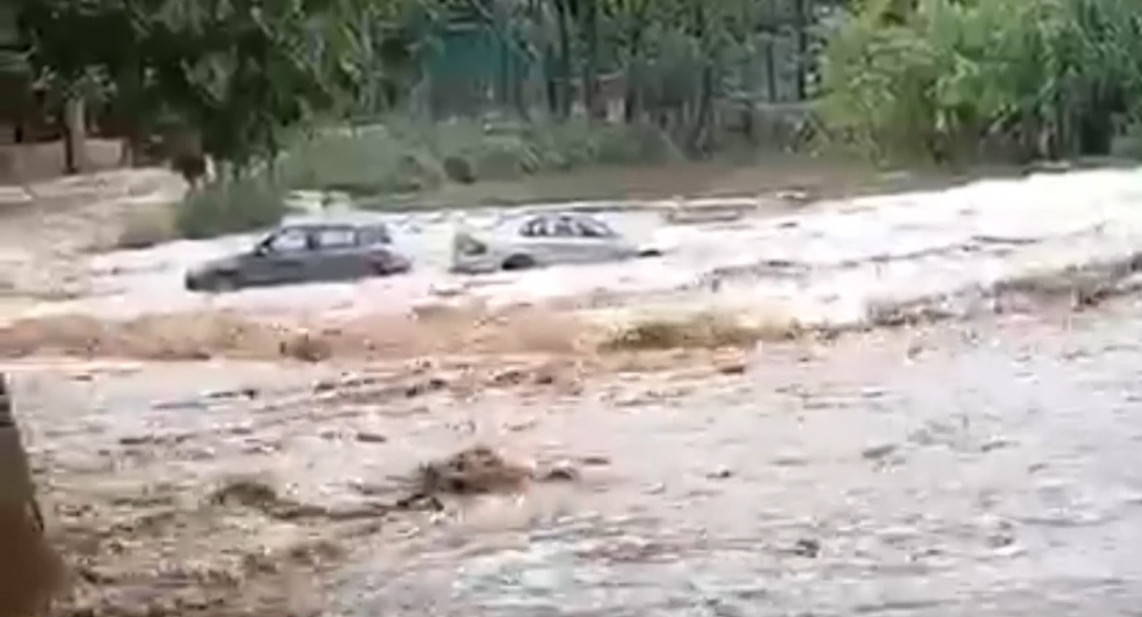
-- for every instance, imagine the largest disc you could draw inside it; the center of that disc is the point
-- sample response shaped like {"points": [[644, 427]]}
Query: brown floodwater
{"points": [[981, 465], [983, 468]]}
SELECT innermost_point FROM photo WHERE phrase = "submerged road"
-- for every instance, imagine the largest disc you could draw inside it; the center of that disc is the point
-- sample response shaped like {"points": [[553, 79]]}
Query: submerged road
{"points": [[989, 469], [987, 466]]}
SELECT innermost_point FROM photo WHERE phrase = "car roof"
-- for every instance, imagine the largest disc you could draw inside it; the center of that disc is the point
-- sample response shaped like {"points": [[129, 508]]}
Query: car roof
{"points": [[559, 214], [526, 217], [361, 219]]}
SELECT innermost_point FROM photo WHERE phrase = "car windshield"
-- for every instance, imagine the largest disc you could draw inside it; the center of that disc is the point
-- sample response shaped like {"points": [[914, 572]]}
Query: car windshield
{"points": [[290, 239], [534, 228], [591, 228], [566, 227]]}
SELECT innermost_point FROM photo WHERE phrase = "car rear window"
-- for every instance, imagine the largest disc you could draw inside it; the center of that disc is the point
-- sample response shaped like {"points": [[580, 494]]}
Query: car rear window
{"points": [[332, 238], [590, 228], [373, 234]]}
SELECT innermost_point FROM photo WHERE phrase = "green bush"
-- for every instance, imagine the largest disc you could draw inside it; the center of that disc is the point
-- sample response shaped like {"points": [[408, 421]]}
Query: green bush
{"points": [[561, 146], [940, 78], [230, 206], [634, 144], [459, 170], [366, 160], [1129, 143], [504, 157], [405, 155]]}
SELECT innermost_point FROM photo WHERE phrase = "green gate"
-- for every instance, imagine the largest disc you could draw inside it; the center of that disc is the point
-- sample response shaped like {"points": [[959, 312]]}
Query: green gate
{"points": [[473, 68]]}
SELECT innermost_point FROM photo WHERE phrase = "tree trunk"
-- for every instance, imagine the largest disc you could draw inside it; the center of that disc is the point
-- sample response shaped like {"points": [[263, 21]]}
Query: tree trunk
{"points": [[131, 154], [770, 70], [591, 62], [75, 136], [1060, 134], [550, 80], [128, 110], [126, 154], [630, 99], [368, 101], [563, 12], [30, 572], [634, 96], [632, 102], [519, 97], [799, 25], [1095, 122], [702, 115]]}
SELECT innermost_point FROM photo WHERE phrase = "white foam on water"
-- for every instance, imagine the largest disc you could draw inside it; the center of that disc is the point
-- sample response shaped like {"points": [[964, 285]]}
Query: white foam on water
{"points": [[834, 264]]}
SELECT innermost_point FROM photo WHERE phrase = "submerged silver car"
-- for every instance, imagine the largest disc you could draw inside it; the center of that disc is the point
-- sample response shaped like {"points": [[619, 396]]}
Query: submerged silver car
{"points": [[542, 240], [322, 250]]}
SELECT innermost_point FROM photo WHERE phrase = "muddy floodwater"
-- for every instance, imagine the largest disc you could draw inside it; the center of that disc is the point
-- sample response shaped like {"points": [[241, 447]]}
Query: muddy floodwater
{"points": [[985, 469], [835, 263], [945, 424]]}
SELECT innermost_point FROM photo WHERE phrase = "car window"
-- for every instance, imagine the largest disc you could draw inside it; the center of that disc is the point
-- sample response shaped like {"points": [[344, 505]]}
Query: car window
{"points": [[535, 228], [373, 234], [590, 228], [289, 240], [335, 238], [565, 228]]}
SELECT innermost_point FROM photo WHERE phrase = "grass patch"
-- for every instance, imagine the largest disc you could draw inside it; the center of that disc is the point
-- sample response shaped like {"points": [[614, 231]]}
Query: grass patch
{"points": [[367, 160], [397, 159], [404, 156], [230, 206]]}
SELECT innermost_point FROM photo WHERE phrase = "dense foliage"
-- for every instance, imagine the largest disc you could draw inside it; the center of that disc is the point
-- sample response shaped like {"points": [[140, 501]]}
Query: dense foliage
{"points": [[960, 79], [238, 73], [233, 73], [531, 80]]}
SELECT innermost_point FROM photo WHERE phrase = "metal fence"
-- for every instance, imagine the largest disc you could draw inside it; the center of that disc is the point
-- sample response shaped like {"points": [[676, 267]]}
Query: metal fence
{"points": [[473, 67]]}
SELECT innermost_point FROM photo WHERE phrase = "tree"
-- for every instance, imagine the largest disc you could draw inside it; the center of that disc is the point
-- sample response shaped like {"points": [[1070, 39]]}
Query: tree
{"points": [[941, 77], [237, 73]]}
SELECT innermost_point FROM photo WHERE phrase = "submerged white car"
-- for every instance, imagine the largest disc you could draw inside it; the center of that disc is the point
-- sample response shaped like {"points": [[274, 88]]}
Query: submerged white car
{"points": [[542, 240]]}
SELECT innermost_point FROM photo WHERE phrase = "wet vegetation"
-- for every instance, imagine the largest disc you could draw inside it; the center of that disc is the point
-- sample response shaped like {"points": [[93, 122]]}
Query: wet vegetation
{"points": [[960, 80], [360, 96], [383, 97]]}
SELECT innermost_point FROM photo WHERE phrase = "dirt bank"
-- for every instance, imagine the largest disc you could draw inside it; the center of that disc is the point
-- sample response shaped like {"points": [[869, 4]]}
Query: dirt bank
{"points": [[56, 224]]}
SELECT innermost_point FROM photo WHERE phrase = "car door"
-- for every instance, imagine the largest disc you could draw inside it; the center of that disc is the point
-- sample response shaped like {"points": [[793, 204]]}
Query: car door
{"points": [[377, 253], [535, 242], [599, 242], [279, 259], [563, 243], [337, 255]]}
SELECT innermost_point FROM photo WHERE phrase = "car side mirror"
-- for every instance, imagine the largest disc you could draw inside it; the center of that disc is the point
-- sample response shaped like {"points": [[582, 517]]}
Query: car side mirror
{"points": [[261, 250]]}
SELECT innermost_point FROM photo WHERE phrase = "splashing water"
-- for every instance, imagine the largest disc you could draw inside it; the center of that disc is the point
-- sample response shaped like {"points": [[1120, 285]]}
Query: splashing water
{"points": [[841, 264]]}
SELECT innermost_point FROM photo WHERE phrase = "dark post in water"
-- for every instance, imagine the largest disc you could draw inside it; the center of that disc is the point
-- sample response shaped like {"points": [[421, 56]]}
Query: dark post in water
{"points": [[30, 572]]}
